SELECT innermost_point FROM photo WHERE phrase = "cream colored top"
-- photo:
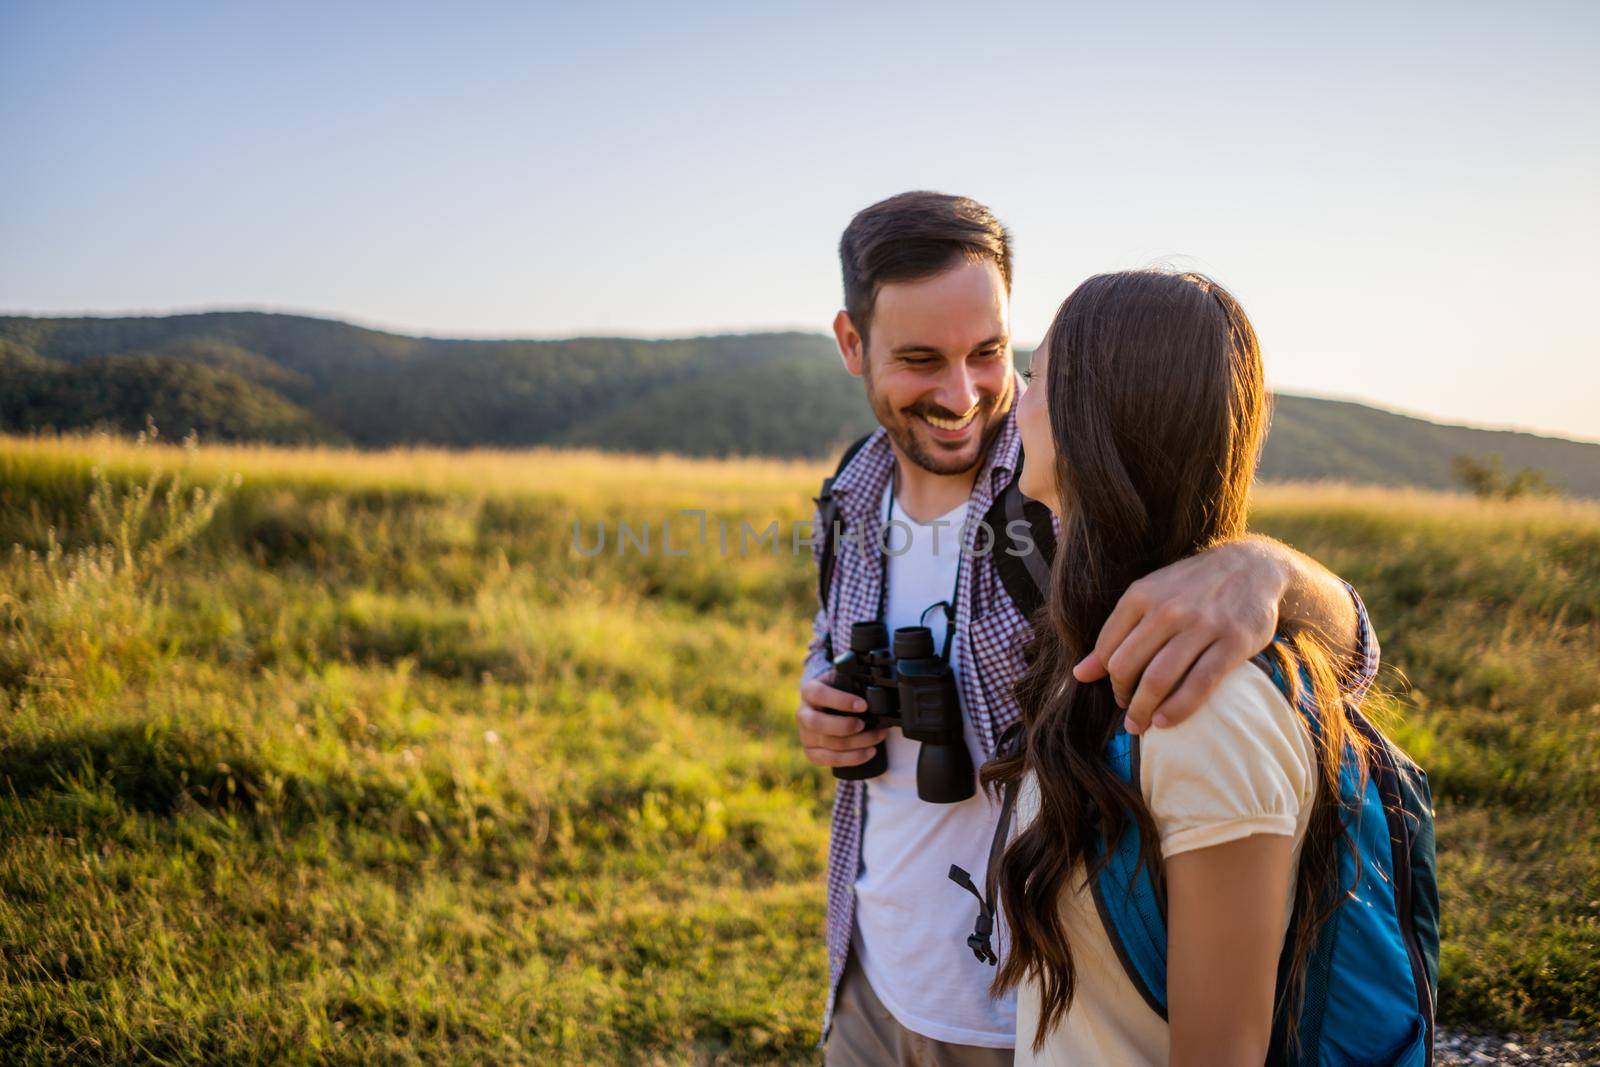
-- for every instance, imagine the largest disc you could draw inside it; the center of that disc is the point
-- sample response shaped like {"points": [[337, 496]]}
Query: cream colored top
{"points": [[1242, 764]]}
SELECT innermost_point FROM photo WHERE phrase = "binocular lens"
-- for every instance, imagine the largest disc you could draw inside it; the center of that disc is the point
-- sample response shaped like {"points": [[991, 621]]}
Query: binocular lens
{"points": [[913, 642], [867, 636]]}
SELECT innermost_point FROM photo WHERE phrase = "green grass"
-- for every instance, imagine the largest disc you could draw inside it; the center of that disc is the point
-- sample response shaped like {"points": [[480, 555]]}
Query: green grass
{"points": [[354, 760]]}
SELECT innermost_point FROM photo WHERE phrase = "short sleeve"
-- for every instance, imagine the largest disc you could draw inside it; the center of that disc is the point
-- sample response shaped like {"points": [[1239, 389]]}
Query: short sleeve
{"points": [[1242, 764]]}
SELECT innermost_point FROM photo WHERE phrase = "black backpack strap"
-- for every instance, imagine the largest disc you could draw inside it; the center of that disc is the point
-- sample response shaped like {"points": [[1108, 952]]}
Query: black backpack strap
{"points": [[980, 940], [827, 515], [1024, 572]]}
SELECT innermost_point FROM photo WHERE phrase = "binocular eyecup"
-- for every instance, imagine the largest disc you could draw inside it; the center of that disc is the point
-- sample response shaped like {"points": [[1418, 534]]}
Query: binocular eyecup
{"points": [[906, 683]]}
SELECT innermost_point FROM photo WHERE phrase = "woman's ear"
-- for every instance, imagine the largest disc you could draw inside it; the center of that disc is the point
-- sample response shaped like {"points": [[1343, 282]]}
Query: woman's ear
{"points": [[852, 347]]}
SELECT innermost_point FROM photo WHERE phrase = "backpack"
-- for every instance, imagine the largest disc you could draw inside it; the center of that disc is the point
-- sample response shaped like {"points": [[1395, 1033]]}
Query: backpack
{"points": [[1024, 578], [1372, 981]]}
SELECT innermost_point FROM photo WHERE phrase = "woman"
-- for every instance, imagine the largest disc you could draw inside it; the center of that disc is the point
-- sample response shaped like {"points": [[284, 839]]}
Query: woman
{"points": [[1142, 432]]}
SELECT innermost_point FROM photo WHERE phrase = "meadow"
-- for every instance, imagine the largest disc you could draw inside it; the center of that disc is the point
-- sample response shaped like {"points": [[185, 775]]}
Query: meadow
{"points": [[324, 756]]}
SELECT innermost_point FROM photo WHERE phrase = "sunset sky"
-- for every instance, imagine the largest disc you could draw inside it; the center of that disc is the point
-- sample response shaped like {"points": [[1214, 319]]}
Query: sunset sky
{"points": [[1407, 203]]}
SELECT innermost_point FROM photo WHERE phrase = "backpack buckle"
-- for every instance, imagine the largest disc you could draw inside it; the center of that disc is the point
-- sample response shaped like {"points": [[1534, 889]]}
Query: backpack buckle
{"points": [[983, 927]]}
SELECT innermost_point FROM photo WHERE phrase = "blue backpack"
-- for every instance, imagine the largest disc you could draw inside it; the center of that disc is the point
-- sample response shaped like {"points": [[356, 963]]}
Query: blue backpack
{"points": [[1372, 980]]}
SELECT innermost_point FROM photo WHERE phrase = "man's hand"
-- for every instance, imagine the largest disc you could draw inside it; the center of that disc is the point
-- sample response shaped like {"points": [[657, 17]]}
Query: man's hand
{"points": [[834, 740], [1176, 633]]}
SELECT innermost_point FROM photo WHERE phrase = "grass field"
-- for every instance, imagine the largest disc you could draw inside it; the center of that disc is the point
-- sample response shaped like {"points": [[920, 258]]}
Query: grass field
{"points": [[337, 757]]}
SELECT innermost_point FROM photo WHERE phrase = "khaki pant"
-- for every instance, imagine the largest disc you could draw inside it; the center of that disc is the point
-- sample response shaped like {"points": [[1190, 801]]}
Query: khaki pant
{"points": [[864, 1034]]}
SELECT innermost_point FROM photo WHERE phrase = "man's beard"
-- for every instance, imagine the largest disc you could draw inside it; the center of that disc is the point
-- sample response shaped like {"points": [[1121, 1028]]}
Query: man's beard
{"points": [[901, 426]]}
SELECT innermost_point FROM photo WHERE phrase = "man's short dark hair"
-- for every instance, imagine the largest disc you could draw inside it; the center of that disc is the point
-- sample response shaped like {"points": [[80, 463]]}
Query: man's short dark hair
{"points": [[911, 236]]}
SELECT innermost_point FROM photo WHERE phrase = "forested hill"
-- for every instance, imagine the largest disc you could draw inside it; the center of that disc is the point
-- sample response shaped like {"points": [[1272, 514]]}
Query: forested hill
{"points": [[290, 378]]}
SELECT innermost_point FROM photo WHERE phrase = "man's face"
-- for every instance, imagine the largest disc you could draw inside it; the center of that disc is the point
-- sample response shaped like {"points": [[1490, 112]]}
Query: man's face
{"points": [[938, 366]]}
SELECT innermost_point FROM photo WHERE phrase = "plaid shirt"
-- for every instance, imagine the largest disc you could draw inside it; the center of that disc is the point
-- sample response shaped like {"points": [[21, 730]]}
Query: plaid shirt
{"points": [[989, 637]]}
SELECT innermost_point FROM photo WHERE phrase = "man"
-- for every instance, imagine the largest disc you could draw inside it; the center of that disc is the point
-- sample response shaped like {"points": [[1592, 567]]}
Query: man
{"points": [[926, 326]]}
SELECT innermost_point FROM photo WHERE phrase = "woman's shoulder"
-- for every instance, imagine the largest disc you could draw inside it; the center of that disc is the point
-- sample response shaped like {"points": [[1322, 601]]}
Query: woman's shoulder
{"points": [[1246, 703], [1243, 762]]}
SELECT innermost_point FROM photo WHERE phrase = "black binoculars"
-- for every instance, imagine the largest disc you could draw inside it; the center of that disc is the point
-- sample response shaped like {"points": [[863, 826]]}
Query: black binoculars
{"points": [[910, 686]]}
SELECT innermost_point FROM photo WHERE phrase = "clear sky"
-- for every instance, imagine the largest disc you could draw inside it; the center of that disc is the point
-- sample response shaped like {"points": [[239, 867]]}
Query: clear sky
{"points": [[1406, 198]]}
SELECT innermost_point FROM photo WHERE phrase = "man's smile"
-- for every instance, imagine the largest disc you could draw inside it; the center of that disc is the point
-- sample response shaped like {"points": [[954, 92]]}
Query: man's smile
{"points": [[947, 425]]}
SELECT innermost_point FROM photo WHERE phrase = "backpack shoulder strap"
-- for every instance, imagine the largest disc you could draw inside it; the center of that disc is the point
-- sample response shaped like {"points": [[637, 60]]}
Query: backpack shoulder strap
{"points": [[1124, 892], [827, 515], [1125, 895], [1024, 567]]}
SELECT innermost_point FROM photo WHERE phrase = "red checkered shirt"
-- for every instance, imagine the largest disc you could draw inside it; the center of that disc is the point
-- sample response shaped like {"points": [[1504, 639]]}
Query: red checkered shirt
{"points": [[990, 634]]}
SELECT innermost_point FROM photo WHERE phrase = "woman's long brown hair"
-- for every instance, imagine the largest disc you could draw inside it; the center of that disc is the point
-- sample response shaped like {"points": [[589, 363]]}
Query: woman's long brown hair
{"points": [[1158, 410]]}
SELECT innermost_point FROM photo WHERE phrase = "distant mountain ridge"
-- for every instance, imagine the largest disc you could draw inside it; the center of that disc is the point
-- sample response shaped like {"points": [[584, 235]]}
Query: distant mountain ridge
{"points": [[247, 375]]}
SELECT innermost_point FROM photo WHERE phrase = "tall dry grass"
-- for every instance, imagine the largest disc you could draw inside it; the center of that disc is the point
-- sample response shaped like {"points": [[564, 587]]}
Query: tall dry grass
{"points": [[356, 759]]}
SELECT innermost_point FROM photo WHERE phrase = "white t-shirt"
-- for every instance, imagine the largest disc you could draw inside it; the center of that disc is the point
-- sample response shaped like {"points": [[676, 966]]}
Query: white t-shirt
{"points": [[1242, 764], [912, 922]]}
